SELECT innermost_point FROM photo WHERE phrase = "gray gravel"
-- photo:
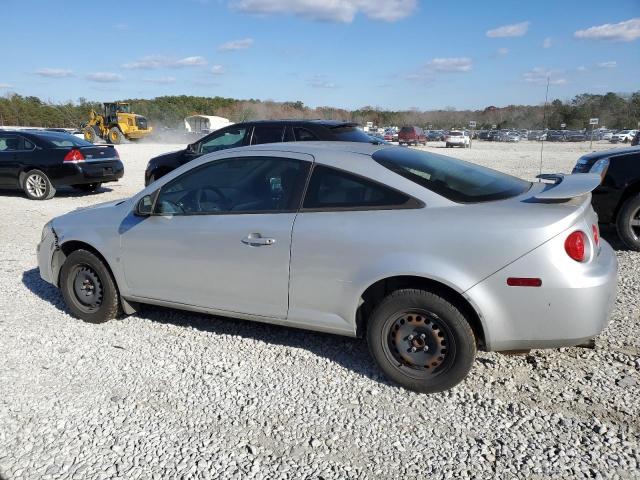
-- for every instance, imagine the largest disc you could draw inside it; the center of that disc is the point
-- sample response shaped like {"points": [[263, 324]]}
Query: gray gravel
{"points": [[166, 394]]}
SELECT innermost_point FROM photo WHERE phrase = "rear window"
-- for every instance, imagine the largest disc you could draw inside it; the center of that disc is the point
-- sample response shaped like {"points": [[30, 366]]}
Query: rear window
{"points": [[406, 130], [350, 134], [455, 134], [64, 140], [454, 179]]}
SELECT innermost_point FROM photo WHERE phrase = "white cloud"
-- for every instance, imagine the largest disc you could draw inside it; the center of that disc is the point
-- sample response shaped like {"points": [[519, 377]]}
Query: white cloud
{"points": [[5, 85], [217, 70], [236, 45], [548, 43], [513, 30], [54, 73], [104, 77], [582, 68], [151, 62], [626, 31], [161, 80], [458, 64], [190, 62], [540, 75], [321, 81], [343, 11], [503, 51], [611, 64]]}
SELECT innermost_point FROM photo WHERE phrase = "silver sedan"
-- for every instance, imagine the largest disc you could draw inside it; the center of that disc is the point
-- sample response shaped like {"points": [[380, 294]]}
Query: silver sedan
{"points": [[428, 257]]}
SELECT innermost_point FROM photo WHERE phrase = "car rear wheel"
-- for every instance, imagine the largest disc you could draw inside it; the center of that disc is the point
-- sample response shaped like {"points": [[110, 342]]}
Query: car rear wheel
{"points": [[628, 223], [421, 341], [88, 288], [37, 186], [88, 187]]}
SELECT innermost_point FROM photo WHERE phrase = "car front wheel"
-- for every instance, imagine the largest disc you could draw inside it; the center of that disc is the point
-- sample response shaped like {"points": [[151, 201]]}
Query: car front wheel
{"points": [[88, 288], [628, 223], [421, 341]]}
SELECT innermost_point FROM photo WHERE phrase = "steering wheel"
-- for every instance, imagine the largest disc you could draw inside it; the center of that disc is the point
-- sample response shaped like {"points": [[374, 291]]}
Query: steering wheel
{"points": [[224, 201]]}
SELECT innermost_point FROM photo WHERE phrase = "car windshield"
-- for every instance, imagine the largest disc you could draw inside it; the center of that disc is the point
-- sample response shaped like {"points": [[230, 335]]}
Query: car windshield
{"points": [[455, 134], [350, 134], [64, 140], [454, 179]]}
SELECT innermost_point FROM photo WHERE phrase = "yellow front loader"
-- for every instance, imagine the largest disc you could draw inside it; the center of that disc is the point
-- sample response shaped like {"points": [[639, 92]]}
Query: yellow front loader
{"points": [[115, 123]]}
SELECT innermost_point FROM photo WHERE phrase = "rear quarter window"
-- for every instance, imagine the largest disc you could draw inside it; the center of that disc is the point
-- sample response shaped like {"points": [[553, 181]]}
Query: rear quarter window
{"points": [[454, 179]]}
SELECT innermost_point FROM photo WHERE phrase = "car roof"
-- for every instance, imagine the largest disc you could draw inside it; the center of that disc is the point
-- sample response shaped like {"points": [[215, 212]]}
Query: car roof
{"points": [[612, 152], [310, 148], [319, 121]]}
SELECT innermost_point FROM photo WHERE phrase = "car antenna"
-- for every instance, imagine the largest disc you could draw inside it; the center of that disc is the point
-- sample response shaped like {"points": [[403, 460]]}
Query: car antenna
{"points": [[544, 127]]}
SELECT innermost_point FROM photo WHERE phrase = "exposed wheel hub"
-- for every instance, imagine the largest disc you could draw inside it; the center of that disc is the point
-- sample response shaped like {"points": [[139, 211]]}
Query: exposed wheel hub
{"points": [[417, 340], [87, 287]]}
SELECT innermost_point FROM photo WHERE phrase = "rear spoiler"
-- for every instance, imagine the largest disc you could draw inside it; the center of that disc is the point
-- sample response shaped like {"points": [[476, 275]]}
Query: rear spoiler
{"points": [[567, 186]]}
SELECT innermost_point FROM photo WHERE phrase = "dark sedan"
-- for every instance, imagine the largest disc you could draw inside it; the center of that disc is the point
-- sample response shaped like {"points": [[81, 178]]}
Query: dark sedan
{"points": [[38, 162], [254, 133], [617, 199]]}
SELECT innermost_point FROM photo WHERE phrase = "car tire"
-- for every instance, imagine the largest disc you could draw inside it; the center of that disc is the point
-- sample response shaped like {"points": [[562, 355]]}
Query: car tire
{"points": [[421, 341], [628, 215], [88, 187], [115, 136], [37, 186], [88, 288]]}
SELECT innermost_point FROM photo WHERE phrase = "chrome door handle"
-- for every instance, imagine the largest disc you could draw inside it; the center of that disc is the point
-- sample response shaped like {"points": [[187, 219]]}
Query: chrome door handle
{"points": [[257, 240]]}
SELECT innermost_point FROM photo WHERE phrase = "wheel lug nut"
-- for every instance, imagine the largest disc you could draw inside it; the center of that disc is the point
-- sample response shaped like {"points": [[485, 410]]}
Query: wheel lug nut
{"points": [[425, 349], [410, 337], [413, 349], [423, 336]]}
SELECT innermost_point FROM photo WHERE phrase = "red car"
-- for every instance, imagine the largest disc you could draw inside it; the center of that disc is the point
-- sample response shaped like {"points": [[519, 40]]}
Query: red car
{"points": [[412, 136]]}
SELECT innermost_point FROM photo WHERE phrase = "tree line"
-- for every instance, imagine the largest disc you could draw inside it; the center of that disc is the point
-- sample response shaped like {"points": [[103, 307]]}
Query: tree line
{"points": [[614, 111]]}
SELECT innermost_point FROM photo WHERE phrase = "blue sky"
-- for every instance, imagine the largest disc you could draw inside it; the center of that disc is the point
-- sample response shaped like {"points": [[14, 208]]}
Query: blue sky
{"points": [[395, 54]]}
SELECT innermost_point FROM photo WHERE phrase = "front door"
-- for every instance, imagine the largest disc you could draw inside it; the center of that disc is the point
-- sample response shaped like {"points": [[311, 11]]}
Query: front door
{"points": [[220, 237]]}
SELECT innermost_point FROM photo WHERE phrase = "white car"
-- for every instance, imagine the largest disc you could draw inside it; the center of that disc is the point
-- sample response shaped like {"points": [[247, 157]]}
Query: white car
{"points": [[623, 136], [457, 138], [607, 135]]}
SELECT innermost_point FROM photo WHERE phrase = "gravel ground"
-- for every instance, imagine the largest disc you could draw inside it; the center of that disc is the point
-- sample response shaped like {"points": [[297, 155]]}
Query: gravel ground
{"points": [[167, 394]]}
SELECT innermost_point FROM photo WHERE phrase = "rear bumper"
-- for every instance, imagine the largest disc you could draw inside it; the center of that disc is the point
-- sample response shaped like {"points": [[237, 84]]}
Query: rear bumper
{"points": [[87, 172], [572, 306]]}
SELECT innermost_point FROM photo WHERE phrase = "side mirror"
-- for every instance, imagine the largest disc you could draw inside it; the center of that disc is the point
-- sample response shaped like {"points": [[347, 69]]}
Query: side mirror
{"points": [[192, 148], [144, 208]]}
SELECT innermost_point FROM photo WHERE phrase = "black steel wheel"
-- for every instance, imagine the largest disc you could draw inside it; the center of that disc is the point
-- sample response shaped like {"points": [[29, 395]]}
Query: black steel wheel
{"points": [[421, 340], [88, 288]]}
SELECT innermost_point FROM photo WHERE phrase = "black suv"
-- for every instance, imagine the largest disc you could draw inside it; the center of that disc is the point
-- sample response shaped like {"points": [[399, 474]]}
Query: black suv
{"points": [[253, 133]]}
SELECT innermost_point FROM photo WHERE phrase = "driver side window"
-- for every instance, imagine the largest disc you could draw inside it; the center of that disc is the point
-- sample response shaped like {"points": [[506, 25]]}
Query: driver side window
{"points": [[239, 185], [229, 138]]}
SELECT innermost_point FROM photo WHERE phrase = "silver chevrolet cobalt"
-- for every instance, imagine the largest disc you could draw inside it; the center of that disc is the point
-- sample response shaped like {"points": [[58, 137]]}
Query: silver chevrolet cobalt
{"points": [[427, 256]]}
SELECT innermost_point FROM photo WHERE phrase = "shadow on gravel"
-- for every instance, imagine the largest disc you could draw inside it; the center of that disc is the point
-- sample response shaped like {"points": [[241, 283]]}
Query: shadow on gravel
{"points": [[351, 353], [47, 292], [65, 192], [610, 234]]}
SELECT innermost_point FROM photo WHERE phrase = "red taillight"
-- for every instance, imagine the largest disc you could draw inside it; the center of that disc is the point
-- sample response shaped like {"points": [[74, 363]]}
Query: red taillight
{"points": [[524, 282], [74, 155], [596, 234], [575, 244]]}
